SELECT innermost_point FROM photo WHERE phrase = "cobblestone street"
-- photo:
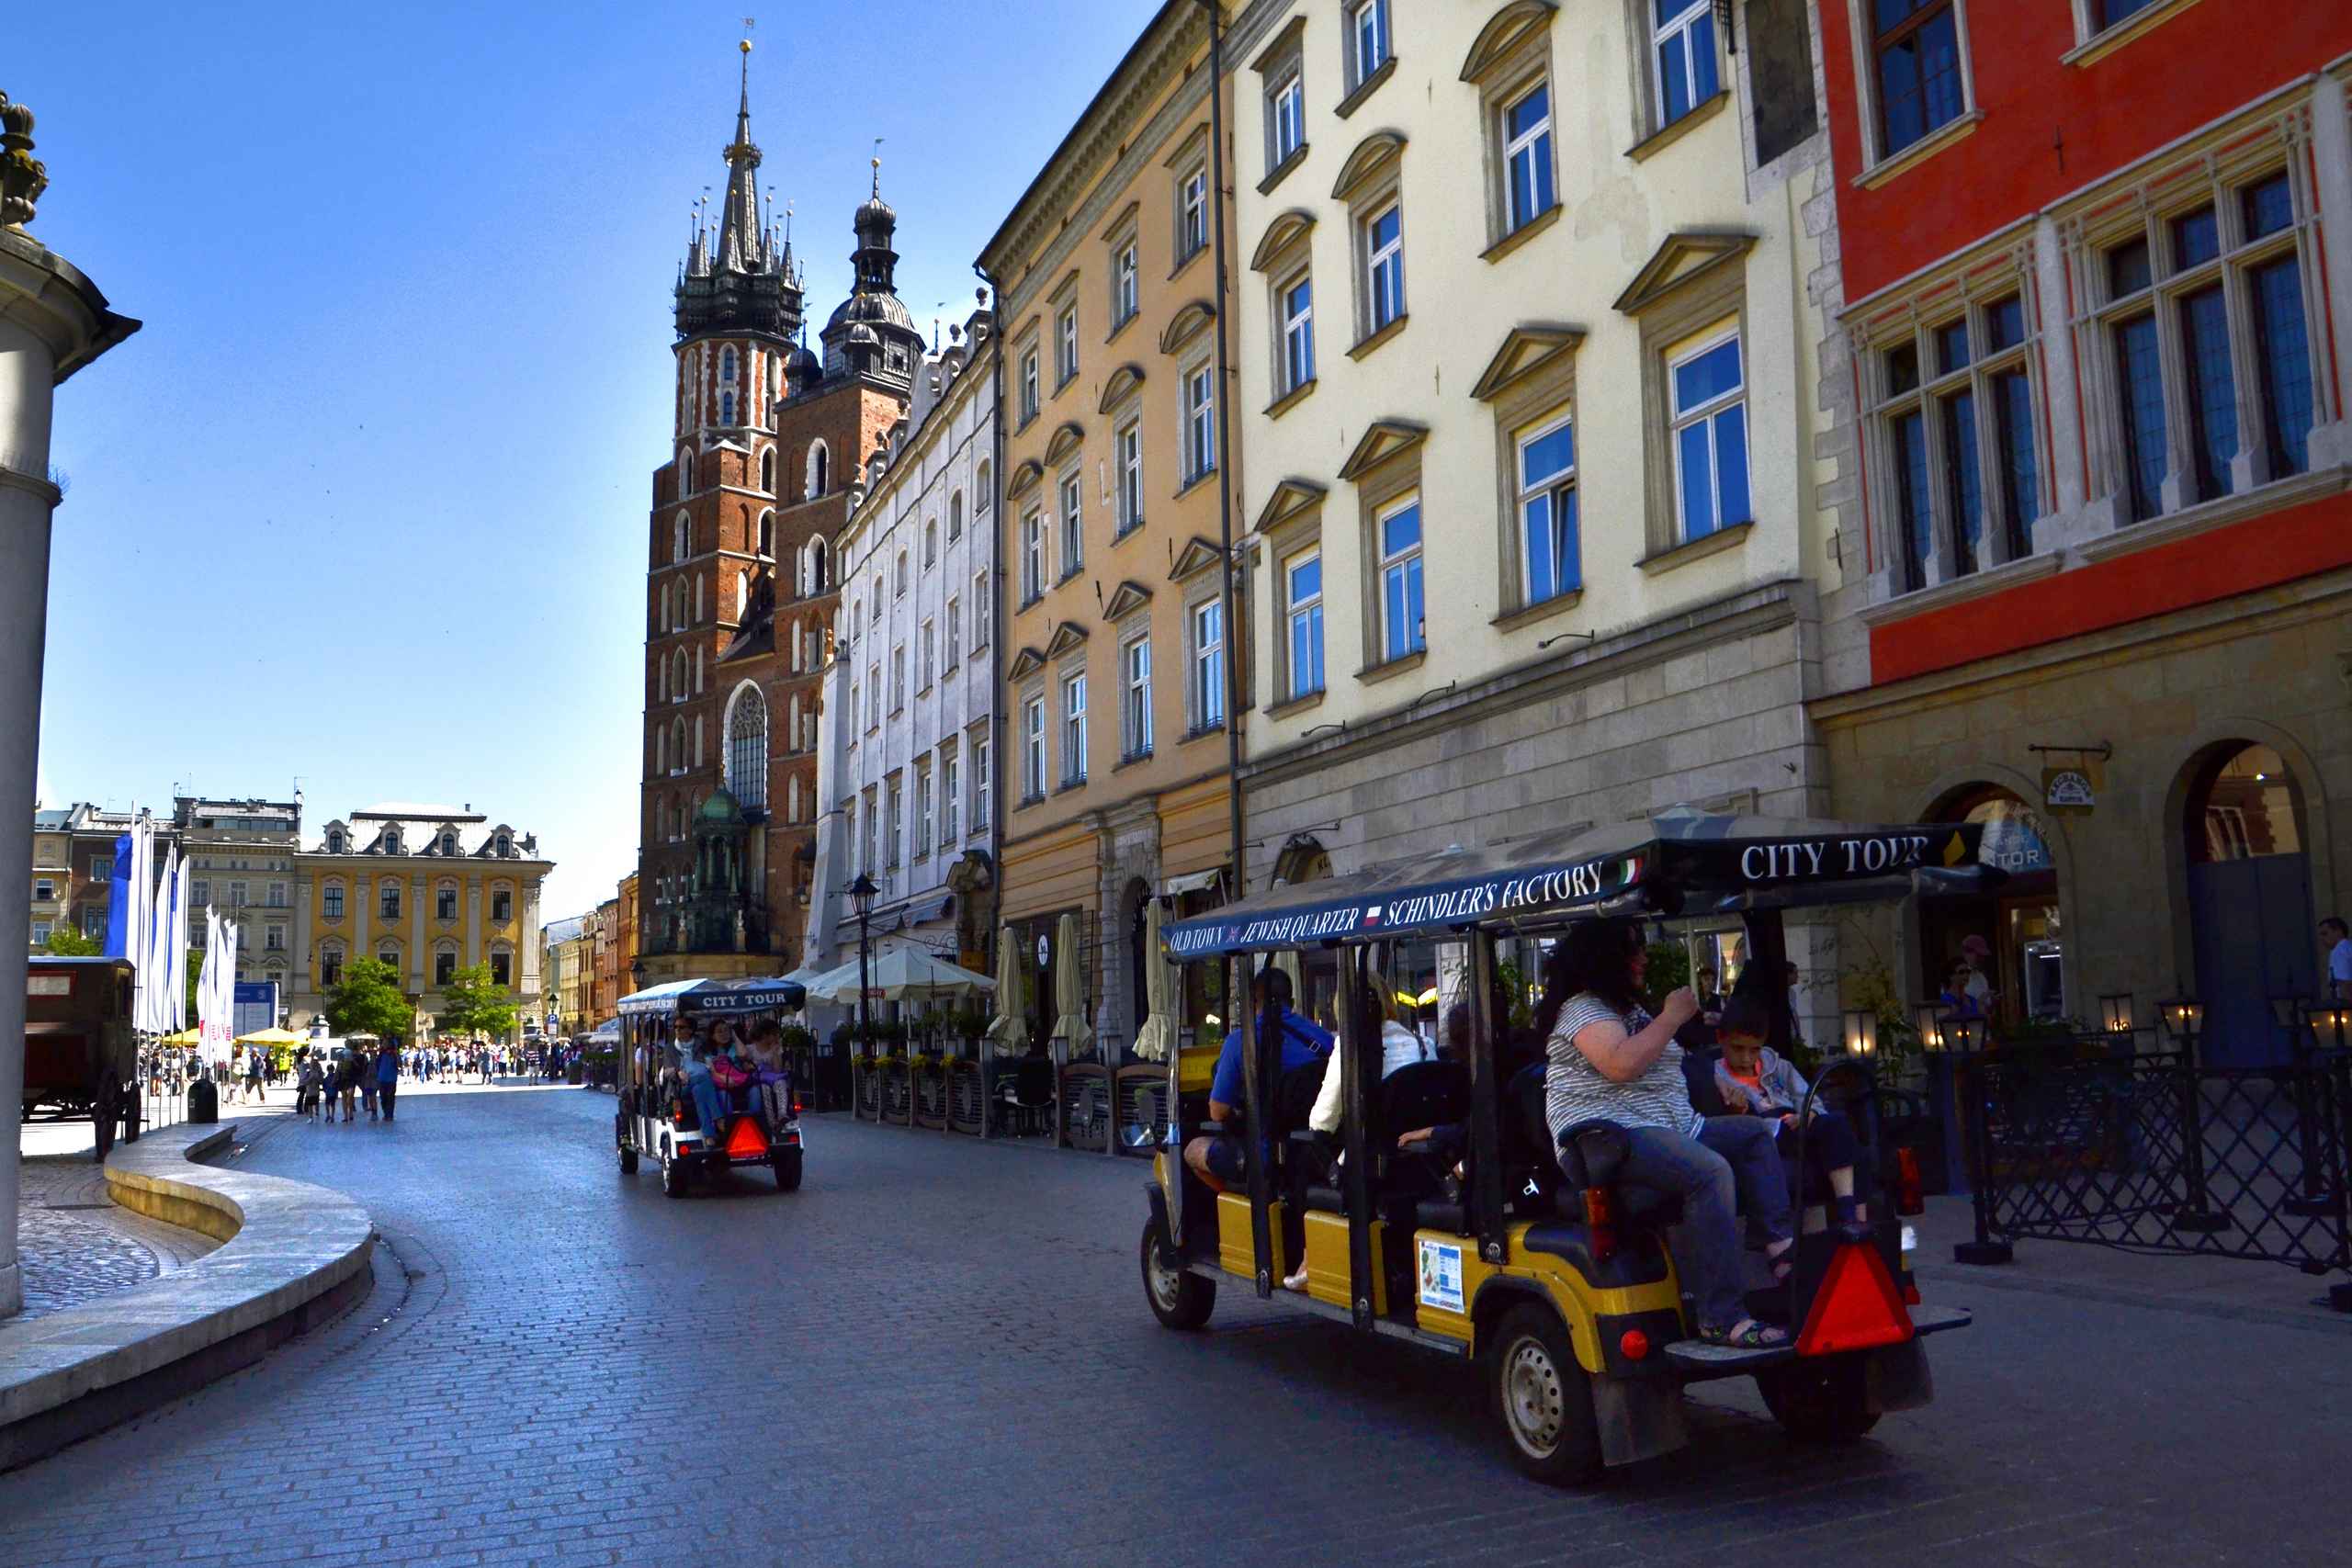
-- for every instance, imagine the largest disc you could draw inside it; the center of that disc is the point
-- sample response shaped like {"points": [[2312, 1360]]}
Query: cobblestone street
{"points": [[937, 1352], [77, 1246]]}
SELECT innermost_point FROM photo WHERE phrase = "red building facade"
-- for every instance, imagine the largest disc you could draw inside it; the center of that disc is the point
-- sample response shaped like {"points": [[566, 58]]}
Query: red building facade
{"points": [[2097, 263]]}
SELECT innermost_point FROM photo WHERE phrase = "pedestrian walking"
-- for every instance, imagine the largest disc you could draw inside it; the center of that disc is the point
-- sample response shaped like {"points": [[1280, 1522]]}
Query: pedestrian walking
{"points": [[2335, 943], [310, 1086], [252, 1075], [388, 1075], [348, 1079]]}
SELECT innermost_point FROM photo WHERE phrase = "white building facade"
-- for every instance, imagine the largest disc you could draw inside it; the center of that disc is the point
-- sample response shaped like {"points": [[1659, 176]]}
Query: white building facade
{"points": [[904, 762]]}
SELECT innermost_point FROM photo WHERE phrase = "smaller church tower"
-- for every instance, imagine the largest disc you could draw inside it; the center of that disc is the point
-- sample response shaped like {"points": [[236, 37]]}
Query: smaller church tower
{"points": [[871, 334]]}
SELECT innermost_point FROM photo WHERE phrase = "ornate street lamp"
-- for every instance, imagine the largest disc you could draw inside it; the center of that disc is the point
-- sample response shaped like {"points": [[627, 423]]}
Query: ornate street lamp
{"points": [[2184, 1018], [1861, 1032], [1931, 1019], [861, 899], [2115, 1012]]}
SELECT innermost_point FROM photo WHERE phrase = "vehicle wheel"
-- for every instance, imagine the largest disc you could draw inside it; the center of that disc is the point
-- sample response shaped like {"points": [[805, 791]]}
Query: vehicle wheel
{"points": [[1544, 1397], [1180, 1300], [786, 1165], [628, 1162], [674, 1176], [133, 1114], [1820, 1401], [103, 1115]]}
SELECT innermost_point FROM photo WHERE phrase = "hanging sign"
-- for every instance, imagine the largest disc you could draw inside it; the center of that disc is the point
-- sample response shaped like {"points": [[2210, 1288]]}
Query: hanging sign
{"points": [[1044, 949], [2072, 790]]}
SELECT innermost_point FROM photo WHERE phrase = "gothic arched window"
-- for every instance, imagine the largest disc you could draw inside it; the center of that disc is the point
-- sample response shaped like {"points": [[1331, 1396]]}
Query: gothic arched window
{"points": [[768, 529], [681, 540], [678, 675], [931, 543], [819, 460], [726, 366], [726, 408], [678, 742], [660, 751], [685, 471], [955, 516], [768, 473], [816, 566], [747, 747]]}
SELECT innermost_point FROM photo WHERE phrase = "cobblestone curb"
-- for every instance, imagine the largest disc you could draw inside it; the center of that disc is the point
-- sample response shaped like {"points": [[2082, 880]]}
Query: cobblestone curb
{"points": [[293, 1256]]}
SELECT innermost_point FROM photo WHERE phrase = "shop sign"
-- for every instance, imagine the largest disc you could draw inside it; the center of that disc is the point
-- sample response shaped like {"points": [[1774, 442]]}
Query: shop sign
{"points": [[2073, 790], [1044, 949]]}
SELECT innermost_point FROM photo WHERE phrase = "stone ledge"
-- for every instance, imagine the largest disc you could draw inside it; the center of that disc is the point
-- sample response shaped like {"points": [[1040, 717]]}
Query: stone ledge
{"points": [[293, 1255]]}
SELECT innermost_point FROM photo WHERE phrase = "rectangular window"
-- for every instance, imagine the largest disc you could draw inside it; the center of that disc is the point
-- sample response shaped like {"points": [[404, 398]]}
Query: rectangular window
{"points": [[2140, 388], [444, 967], [1912, 505], [2212, 391], [1685, 52], [102, 868], [950, 786], [502, 969], [981, 782], [2282, 362], [1200, 424], [1303, 600], [2105, 14], [1367, 40], [897, 829], [898, 679], [979, 611], [274, 938], [502, 908], [1073, 525], [332, 901], [1033, 558], [1192, 220], [2017, 465], [1123, 292], [922, 813], [1208, 663], [1402, 630], [926, 653], [1129, 446], [389, 902], [40, 933], [1285, 118], [1031, 397], [1965, 481], [1033, 749], [955, 632], [874, 697], [1915, 46], [1710, 437], [1074, 729], [1135, 698], [1384, 250], [1527, 156], [44, 890], [445, 904], [331, 967], [1066, 360], [1298, 333], [1553, 556]]}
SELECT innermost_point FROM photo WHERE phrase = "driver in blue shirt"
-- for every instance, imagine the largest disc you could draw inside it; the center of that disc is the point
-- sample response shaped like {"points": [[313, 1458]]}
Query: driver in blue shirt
{"points": [[1218, 1160]]}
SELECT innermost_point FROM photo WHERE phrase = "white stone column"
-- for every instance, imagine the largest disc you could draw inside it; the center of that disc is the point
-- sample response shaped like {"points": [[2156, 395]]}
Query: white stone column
{"points": [[53, 320], [304, 963], [473, 920], [362, 890], [2331, 181], [418, 974]]}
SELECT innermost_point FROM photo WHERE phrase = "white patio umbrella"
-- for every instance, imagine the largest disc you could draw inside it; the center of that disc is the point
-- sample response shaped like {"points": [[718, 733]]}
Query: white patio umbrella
{"points": [[1069, 990], [1010, 1028], [1156, 1038], [901, 974]]}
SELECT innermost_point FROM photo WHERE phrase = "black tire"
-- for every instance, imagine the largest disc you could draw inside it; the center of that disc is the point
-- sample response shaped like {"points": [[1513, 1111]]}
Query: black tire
{"points": [[1180, 1299], [1544, 1398], [1822, 1399], [674, 1176], [628, 1162], [785, 1163], [133, 1114], [102, 1118]]}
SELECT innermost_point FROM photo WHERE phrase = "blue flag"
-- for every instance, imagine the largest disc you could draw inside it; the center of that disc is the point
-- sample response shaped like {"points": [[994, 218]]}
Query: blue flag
{"points": [[119, 902]]}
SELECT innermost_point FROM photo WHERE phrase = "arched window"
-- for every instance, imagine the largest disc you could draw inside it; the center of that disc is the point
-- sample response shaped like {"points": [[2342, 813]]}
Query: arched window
{"points": [[792, 714], [678, 675], [747, 747], [660, 751], [726, 408], [792, 799], [796, 651], [334, 842], [931, 543], [767, 475], [697, 671], [902, 572], [726, 366], [697, 740], [743, 595], [818, 460], [877, 598], [983, 491], [677, 744], [816, 566], [955, 516], [767, 534], [681, 540], [685, 471]]}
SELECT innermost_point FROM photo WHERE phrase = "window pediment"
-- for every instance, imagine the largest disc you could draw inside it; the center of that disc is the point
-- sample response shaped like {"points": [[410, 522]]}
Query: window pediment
{"points": [[1024, 478], [1371, 158], [1682, 259], [1505, 32], [1190, 321], [1120, 385], [1285, 44], [1121, 226], [1197, 556], [1383, 440], [1288, 229], [1291, 498], [1067, 636], [1528, 348], [1066, 440], [1125, 600], [1026, 662]]}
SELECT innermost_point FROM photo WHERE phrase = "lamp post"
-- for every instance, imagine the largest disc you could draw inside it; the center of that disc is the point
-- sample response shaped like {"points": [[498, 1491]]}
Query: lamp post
{"points": [[2115, 1012], [861, 899], [1861, 1032]]}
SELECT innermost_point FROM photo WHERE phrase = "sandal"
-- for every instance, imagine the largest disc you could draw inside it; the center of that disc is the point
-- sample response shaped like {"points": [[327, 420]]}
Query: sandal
{"points": [[1783, 1266], [1745, 1335]]}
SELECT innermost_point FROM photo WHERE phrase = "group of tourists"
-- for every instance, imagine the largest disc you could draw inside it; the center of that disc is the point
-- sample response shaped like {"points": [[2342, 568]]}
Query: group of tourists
{"points": [[1606, 1057], [456, 1063], [727, 1073], [352, 1074]]}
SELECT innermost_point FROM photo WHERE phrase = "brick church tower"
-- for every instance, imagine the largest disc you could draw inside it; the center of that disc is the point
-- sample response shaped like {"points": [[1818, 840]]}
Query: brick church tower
{"points": [[768, 452]]}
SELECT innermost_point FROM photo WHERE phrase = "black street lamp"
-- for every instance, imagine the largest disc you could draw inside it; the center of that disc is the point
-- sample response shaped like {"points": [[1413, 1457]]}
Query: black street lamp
{"points": [[860, 899]]}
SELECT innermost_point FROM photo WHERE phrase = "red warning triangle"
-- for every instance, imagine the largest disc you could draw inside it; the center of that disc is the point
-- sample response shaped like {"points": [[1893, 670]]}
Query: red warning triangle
{"points": [[746, 1141], [1856, 1308]]}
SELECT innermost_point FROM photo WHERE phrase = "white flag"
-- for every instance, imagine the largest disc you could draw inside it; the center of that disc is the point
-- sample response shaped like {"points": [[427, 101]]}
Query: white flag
{"points": [[207, 990], [175, 956], [138, 916], [154, 968]]}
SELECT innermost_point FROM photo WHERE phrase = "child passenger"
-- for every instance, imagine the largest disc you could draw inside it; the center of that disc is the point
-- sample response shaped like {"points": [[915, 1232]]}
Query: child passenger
{"points": [[1756, 1080]]}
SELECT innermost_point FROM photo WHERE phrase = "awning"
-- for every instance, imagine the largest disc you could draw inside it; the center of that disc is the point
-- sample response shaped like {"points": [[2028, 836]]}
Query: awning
{"points": [[1191, 882], [774, 995]]}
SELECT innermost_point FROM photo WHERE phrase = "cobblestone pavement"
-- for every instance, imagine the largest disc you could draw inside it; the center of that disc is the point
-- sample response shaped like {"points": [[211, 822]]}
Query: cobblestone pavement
{"points": [[75, 1245], [936, 1351]]}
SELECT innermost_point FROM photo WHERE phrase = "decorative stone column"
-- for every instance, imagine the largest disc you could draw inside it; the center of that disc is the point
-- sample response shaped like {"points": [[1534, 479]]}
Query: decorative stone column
{"points": [[53, 320]]}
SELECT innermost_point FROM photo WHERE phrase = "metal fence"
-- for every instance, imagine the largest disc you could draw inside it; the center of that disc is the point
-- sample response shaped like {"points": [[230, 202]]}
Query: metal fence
{"points": [[2150, 1152]]}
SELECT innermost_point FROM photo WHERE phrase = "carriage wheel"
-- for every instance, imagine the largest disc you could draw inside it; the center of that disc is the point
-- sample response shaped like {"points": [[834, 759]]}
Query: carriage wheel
{"points": [[108, 1107]]}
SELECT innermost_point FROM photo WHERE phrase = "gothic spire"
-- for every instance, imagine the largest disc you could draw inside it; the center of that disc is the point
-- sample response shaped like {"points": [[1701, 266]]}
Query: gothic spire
{"points": [[739, 222]]}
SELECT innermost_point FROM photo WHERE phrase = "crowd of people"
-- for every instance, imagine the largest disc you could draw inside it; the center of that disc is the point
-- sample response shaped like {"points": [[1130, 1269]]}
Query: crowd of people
{"points": [[725, 1072]]}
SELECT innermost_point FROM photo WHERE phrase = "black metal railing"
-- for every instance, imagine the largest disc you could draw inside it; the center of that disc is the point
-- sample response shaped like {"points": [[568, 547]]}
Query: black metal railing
{"points": [[2151, 1152]]}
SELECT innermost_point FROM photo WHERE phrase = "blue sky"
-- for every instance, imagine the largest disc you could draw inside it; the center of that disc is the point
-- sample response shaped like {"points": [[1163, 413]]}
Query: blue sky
{"points": [[364, 504]]}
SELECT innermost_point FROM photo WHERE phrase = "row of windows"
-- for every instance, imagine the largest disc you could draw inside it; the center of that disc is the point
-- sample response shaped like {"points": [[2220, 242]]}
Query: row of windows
{"points": [[1198, 462], [936, 655], [816, 471], [390, 840], [388, 902], [1206, 698], [940, 798], [903, 575], [444, 964]]}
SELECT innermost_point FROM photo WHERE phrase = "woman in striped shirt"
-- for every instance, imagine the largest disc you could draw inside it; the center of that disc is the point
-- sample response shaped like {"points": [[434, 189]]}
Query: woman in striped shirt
{"points": [[1610, 1060]]}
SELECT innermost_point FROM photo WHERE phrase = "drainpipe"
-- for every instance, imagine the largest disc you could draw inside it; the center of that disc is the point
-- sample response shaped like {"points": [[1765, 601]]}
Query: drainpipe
{"points": [[1225, 449], [1000, 624]]}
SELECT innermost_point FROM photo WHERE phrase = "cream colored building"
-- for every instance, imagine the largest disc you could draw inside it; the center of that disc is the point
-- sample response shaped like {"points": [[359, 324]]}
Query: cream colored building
{"points": [[1530, 303]]}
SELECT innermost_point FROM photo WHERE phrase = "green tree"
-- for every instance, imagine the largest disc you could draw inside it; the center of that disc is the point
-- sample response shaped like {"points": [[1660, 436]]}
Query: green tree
{"points": [[368, 1000], [472, 1003], [64, 942], [195, 973]]}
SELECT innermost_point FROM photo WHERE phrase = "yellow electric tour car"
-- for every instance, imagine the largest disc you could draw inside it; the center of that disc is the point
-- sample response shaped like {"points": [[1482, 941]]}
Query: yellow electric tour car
{"points": [[1529, 1258]]}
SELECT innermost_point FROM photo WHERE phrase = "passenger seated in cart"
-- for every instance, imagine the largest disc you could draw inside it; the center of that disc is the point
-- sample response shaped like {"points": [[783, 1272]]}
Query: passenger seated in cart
{"points": [[1611, 1061], [732, 1071], [694, 1065], [1218, 1160], [771, 1083], [1756, 1080]]}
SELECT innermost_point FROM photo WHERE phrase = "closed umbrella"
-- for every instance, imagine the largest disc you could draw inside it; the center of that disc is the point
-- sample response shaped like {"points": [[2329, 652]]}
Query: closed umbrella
{"points": [[1069, 991], [1287, 962], [1158, 1036], [1010, 1029]]}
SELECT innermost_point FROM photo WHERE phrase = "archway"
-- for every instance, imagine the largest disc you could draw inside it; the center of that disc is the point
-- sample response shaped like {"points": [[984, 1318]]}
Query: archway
{"points": [[2021, 924], [2249, 881]]}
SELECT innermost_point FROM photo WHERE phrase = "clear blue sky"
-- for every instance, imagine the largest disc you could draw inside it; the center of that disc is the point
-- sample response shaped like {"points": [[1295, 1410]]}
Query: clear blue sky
{"points": [[364, 504]]}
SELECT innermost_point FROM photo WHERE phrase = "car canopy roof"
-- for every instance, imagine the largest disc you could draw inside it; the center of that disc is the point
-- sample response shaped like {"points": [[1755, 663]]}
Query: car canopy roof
{"points": [[715, 996], [1678, 862]]}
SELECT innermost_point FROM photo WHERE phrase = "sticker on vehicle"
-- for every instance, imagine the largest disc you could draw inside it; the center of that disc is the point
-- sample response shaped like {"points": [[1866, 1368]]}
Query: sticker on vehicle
{"points": [[1441, 1275]]}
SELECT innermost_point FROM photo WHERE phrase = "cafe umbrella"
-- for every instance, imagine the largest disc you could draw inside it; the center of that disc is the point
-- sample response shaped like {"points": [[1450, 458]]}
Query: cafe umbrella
{"points": [[1010, 1029], [1069, 991], [1156, 1038]]}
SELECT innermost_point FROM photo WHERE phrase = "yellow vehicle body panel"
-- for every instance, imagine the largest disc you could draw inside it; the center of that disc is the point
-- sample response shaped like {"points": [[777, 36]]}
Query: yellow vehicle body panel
{"points": [[1446, 1300], [1327, 1261], [1235, 1253], [1195, 1069]]}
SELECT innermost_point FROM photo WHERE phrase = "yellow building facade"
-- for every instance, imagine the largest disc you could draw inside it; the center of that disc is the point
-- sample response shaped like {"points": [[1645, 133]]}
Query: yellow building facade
{"points": [[427, 890]]}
